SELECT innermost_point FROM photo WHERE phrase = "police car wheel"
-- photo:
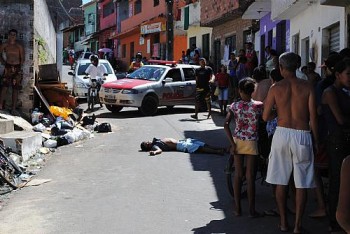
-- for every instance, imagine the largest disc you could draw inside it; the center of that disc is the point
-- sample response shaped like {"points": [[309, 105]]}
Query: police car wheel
{"points": [[149, 106], [114, 109]]}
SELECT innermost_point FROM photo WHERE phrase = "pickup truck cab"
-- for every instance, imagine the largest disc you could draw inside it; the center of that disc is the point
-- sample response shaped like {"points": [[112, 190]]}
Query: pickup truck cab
{"points": [[152, 86]]}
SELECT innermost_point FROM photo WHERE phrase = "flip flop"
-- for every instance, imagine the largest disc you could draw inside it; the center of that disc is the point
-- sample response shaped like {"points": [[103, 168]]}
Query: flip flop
{"points": [[271, 212]]}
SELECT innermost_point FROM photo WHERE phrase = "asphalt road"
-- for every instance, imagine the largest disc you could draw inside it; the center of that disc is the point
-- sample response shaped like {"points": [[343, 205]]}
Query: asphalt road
{"points": [[105, 185]]}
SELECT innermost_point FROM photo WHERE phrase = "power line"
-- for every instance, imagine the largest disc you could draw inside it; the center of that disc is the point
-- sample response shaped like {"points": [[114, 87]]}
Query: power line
{"points": [[65, 11]]}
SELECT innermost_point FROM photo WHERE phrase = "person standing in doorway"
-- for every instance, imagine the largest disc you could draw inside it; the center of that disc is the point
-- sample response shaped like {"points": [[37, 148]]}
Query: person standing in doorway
{"points": [[293, 100], [252, 59], [12, 77], [232, 66]]}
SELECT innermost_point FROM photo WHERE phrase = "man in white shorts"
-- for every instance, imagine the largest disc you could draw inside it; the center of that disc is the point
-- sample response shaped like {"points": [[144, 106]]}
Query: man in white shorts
{"points": [[293, 101]]}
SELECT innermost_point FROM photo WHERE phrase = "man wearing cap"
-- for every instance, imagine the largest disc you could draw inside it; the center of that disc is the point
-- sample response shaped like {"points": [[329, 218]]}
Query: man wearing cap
{"points": [[203, 77], [252, 59]]}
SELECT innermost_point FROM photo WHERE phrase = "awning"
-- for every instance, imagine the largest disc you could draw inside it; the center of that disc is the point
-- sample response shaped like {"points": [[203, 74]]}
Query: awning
{"points": [[257, 9], [88, 38], [72, 27], [129, 32]]}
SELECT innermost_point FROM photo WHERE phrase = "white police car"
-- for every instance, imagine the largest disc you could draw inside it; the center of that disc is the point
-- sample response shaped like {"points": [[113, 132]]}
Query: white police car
{"points": [[152, 86]]}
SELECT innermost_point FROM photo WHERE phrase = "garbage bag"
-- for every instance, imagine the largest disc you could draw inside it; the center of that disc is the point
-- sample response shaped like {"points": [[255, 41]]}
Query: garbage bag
{"points": [[39, 127], [55, 131], [89, 120], [36, 116], [50, 143], [103, 127], [60, 111], [70, 136], [62, 141]]}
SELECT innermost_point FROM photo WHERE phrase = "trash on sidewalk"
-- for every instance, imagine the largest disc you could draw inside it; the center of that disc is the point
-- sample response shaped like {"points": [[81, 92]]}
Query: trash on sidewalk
{"points": [[37, 182]]}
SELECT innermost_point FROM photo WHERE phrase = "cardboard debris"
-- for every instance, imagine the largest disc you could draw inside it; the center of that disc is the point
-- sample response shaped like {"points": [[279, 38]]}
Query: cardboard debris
{"points": [[37, 182]]}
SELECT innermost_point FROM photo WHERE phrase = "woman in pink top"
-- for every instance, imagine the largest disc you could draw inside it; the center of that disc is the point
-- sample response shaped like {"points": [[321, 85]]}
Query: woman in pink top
{"points": [[243, 141]]}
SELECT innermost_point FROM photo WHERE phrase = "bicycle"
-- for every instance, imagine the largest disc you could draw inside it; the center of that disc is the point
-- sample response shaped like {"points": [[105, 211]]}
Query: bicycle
{"points": [[230, 172], [9, 170]]}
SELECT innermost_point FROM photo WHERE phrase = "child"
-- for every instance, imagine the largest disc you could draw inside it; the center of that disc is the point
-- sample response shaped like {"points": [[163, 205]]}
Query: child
{"points": [[222, 79], [244, 143]]}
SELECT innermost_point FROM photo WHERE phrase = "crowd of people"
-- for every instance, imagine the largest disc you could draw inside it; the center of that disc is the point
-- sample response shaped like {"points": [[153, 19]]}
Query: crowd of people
{"points": [[298, 120]]}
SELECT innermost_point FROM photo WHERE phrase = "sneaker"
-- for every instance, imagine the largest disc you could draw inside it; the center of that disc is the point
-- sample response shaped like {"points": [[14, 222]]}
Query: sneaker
{"points": [[194, 117]]}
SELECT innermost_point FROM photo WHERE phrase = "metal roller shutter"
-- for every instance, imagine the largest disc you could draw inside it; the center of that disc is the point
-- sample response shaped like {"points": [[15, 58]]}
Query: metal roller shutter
{"points": [[334, 39]]}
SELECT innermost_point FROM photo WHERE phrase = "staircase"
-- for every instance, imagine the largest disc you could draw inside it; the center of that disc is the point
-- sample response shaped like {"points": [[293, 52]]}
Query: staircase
{"points": [[23, 142]]}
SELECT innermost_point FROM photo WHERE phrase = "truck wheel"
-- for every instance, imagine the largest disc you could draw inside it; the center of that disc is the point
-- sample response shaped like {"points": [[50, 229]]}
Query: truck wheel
{"points": [[113, 108], [149, 106]]}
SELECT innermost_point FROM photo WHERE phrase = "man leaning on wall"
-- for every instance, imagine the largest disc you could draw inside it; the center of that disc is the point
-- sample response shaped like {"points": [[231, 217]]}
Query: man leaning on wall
{"points": [[13, 61]]}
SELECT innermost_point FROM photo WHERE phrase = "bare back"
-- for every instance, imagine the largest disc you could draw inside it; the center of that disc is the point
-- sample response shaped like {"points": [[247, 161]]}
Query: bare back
{"points": [[261, 90], [292, 99]]}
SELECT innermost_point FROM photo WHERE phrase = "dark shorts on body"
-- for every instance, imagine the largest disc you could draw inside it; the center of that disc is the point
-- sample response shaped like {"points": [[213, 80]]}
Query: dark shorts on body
{"points": [[12, 76]]}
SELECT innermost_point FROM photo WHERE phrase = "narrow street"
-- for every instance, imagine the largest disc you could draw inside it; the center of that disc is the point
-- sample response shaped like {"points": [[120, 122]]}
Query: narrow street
{"points": [[105, 185]]}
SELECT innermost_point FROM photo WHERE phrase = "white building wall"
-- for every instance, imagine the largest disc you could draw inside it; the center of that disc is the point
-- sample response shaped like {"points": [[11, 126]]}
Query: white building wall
{"points": [[311, 22], [195, 13], [197, 31], [45, 30]]}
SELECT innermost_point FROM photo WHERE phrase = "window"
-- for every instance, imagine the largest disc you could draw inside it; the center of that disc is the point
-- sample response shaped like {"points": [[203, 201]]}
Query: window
{"points": [[231, 42], [175, 74], [124, 51], [189, 74], [295, 43], [192, 41], [137, 7], [91, 18], [155, 2], [108, 9]]}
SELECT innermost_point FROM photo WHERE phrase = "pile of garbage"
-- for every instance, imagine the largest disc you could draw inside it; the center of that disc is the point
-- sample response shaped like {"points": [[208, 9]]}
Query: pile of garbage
{"points": [[63, 126]]}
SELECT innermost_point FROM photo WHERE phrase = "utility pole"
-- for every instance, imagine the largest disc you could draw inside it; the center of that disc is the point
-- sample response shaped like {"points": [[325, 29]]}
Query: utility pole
{"points": [[170, 30]]}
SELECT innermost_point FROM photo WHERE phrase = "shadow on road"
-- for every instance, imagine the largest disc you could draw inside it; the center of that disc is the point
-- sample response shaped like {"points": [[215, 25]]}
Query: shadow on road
{"points": [[134, 113], [264, 199]]}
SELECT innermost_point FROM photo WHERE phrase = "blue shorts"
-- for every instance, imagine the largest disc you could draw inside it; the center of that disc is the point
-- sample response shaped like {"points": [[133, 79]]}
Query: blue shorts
{"points": [[223, 94], [189, 145]]}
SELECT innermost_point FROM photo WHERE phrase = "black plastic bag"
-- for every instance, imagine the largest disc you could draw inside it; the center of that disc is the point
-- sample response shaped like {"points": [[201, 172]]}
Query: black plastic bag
{"points": [[89, 120], [103, 127]]}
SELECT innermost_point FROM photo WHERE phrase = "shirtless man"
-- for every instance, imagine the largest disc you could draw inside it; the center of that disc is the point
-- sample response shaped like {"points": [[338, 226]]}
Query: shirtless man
{"points": [[188, 145], [13, 64], [292, 147]]}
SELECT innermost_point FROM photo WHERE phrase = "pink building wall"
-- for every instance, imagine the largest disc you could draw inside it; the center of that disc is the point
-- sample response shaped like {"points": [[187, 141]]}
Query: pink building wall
{"points": [[110, 20], [148, 12]]}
